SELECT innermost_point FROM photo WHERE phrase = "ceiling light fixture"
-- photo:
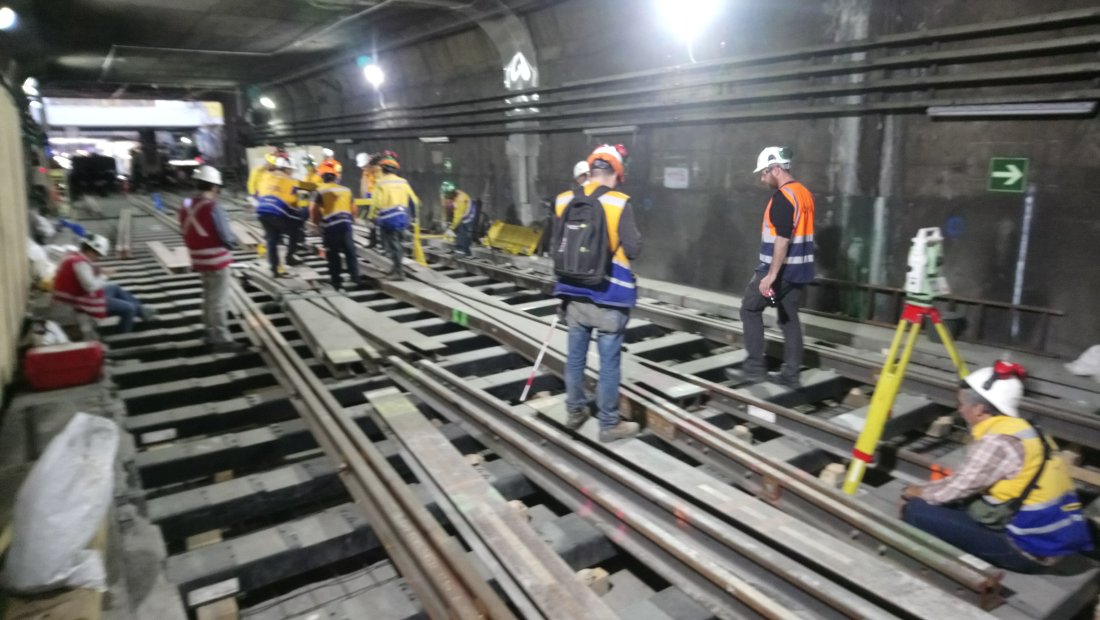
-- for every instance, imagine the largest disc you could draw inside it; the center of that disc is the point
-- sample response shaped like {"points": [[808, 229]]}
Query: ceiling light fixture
{"points": [[8, 18], [374, 74], [185, 140], [434, 139], [30, 87], [687, 18], [266, 102]]}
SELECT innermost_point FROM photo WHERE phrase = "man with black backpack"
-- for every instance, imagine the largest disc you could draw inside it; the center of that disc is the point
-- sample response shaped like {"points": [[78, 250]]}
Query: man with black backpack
{"points": [[595, 238]]}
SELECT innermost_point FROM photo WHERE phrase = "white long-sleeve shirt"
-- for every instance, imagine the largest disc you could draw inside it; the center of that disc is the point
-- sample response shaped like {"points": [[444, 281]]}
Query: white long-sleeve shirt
{"points": [[88, 277]]}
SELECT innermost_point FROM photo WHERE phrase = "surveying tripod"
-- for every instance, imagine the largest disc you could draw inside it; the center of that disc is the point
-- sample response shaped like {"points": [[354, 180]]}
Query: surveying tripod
{"points": [[922, 285]]}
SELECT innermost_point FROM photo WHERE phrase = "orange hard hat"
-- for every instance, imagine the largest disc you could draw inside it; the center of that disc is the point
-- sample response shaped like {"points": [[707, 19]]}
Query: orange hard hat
{"points": [[613, 156], [328, 167]]}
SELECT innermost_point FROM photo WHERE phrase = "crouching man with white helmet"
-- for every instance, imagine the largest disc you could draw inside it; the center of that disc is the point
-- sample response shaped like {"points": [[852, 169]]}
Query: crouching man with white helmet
{"points": [[82, 284], [209, 239], [1011, 502]]}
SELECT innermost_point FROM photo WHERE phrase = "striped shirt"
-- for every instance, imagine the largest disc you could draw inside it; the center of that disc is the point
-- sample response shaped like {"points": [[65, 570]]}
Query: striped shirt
{"points": [[989, 460]]}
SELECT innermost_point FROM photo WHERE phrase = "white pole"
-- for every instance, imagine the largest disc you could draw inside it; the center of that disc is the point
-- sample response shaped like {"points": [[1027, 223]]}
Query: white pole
{"points": [[1021, 258], [538, 360]]}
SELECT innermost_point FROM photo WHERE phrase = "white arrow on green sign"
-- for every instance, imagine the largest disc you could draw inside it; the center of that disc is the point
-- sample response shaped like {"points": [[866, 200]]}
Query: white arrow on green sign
{"points": [[1008, 174]]}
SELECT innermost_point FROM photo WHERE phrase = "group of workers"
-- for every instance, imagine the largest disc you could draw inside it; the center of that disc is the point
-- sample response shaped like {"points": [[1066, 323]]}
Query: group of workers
{"points": [[1011, 502]]}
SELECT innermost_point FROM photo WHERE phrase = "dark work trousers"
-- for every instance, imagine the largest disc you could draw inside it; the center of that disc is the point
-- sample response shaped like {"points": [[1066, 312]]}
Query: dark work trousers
{"points": [[788, 297], [464, 235], [953, 525], [274, 229], [296, 234], [391, 245], [339, 244]]}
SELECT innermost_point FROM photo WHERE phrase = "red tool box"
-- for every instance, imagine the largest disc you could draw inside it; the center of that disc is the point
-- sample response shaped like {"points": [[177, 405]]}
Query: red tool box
{"points": [[63, 365]]}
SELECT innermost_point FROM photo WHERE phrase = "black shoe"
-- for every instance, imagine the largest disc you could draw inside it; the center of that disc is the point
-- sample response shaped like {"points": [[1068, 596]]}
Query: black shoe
{"points": [[293, 261], [576, 419], [787, 382]]}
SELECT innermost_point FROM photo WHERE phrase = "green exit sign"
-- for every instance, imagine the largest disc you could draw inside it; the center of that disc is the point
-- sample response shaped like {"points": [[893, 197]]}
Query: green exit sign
{"points": [[1007, 174]]}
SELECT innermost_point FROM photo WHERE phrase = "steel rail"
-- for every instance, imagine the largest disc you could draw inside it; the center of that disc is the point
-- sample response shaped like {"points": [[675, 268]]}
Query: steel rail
{"points": [[943, 558], [940, 386], [437, 569]]}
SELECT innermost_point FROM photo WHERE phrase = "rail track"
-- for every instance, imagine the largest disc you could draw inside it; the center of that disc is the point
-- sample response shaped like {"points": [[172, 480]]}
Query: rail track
{"points": [[368, 466]]}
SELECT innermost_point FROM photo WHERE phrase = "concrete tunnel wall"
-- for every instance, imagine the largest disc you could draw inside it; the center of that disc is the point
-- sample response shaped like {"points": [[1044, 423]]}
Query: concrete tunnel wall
{"points": [[708, 235]]}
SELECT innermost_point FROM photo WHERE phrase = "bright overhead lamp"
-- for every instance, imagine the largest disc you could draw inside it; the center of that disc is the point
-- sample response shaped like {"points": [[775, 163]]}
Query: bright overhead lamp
{"points": [[606, 131], [374, 74], [30, 87], [1062, 108], [434, 139], [8, 18], [343, 140], [36, 104], [687, 18], [185, 140], [266, 102]]}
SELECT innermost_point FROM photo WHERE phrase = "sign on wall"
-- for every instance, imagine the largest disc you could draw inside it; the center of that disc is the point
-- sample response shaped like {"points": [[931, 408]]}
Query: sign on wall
{"points": [[676, 178], [1008, 174]]}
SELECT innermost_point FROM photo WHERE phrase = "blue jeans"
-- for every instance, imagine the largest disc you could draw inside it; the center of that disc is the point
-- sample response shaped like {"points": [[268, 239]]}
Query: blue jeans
{"points": [[952, 525], [340, 244], [121, 303], [464, 235], [275, 228], [610, 325]]}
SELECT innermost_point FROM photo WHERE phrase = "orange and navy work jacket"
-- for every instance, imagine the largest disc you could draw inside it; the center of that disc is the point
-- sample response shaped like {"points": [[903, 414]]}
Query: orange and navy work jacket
{"points": [[798, 267]]}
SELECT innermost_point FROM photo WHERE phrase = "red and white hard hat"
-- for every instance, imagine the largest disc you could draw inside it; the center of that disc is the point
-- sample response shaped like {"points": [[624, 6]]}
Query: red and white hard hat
{"points": [[1002, 384]]}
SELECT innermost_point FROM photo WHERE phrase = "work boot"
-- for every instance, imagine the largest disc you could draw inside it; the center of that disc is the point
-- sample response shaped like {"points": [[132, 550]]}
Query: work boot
{"points": [[227, 347], [576, 419], [148, 313], [739, 376], [622, 430], [293, 260], [785, 381]]}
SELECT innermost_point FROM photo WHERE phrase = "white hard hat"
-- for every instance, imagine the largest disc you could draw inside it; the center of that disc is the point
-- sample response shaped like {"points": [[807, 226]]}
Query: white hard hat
{"points": [[210, 174], [283, 162], [773, 155], [99, 243], [1001, 384], [581, 168], [362, 159], [328, 152]]}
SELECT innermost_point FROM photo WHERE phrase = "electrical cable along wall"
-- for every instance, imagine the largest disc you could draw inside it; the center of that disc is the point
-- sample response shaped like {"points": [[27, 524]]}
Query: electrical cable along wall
{"points": [[14, 270]]}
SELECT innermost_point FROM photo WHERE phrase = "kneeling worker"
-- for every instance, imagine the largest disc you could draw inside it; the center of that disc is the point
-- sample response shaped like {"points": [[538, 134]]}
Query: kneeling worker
{"points": [[597, 288], [465, 213], [1011, 502], [208, 238], [80, 283], [334, 216]]}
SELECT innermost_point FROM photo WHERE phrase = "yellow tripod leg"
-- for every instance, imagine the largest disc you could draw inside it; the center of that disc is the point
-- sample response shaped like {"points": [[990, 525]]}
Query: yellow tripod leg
{"points": [[418, 250], [882, 401], [952, 351]]}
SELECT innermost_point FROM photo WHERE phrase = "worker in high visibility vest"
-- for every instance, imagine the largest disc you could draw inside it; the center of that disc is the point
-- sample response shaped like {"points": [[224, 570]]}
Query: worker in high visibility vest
{"points": [[311, 176], [368, 163], [1011, 502], [257, 174], [209, 239], [391, 205], [328, 157], [80, 283], [279, 213], [334, 214], [785, 267], [464, 215]]}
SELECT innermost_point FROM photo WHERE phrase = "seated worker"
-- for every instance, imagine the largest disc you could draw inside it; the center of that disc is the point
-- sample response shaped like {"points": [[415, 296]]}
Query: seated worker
{"points": [[465, 213], [1011, 502], [82, 284], [334, 215]]}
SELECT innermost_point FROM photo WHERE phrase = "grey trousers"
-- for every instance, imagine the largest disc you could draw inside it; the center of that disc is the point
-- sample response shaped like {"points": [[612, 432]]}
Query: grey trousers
{"points": [[215, 305], [391, 245], [788, 297]]}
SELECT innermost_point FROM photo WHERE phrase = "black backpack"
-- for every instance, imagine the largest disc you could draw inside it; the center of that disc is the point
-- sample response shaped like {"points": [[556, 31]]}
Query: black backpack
{"points": [[581, 245]]}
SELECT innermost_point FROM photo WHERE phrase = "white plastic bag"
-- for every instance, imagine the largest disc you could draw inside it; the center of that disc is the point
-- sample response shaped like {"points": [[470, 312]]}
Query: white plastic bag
{"points": [[59, 508], [1087, 364]]}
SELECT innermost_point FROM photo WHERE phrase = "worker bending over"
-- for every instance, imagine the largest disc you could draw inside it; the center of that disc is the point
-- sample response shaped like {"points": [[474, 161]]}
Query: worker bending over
{"points": [[334, 215], [786, 265], [280, 215], [390, 209], [209, 239], [595, 238], [82, 284], [1011, 502], [464, 214]]}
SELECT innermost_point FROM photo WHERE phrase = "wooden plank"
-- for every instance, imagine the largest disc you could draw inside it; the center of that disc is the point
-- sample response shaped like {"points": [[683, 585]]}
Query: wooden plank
{"points": [[175, 260], [545, 577], [333, 341], [381, 328], [225, 609], [244, 234]]}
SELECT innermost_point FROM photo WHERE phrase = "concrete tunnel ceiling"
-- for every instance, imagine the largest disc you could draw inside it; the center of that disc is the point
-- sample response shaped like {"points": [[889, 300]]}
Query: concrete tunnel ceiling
{"points": [[167, 49]]}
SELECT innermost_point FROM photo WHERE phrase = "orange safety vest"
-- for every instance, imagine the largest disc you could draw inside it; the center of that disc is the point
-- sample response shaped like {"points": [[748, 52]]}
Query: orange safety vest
{"points": [[798, 267]]}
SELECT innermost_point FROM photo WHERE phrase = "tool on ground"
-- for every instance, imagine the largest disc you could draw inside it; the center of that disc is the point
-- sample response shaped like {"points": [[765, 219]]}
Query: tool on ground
{"points": [[538, 359], [923, 284]]}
